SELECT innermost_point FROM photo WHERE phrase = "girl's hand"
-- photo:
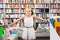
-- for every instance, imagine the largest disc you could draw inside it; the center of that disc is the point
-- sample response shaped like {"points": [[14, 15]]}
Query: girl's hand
{"points": [[44, 20], [10, 24]]}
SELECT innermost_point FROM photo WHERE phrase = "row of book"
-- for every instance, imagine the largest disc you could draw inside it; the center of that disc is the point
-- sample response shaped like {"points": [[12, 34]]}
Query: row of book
{"points": [[26, 1], [54, 10], [55, 5], [23, 6], [40, 10], [13, 16], [30, 5], [55, 1], [46, 15], [12, 10], [29, 1], [42, 15], [41, 6]]}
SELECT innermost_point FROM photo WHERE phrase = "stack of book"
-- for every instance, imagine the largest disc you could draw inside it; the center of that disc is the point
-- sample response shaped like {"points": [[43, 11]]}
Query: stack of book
{"points": [[8, 11], [54, 6], [54, 11]]}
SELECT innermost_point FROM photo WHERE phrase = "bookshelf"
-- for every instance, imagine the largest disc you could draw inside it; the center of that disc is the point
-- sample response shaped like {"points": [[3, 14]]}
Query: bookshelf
{"points": [[55, 6], [14, 9]]}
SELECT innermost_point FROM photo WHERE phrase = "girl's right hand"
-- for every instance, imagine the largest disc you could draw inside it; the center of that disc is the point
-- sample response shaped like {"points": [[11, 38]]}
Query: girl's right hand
{"points": [[10, 24]]}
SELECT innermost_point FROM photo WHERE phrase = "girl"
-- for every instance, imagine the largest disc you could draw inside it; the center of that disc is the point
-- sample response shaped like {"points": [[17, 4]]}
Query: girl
{"points": [[28, 30]]}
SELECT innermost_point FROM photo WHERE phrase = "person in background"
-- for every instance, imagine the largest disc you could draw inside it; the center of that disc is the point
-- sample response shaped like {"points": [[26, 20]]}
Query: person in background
{"points": [[28, 30]]}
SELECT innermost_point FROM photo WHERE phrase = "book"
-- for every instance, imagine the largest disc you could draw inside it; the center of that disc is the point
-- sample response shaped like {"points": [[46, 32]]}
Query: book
{"points": [[16, 5], [58, 11], [1, 10], [19, 1], [38, 26], [34, 10], [54, 10], [47, 5], [12, 16], [13, 10], [13, 1], [58, 1], [21, 11], [34, 1], [1, 1], [6, 5], [58, 19], [9, 1], [20, 6], [1, 5], [54, 6], [47, 10], [6, 16], [37, 10], [8, 11], [53, 1], [0, 16], [16, 15], [58, 30], [58, 5], [46, 1], [16, 10], [11, 5], [25, 1], [38, 1], [37, 6]]}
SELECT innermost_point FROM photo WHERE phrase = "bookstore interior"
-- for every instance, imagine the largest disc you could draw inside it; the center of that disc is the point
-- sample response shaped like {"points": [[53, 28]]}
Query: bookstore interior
{"points": [[11, 10]]}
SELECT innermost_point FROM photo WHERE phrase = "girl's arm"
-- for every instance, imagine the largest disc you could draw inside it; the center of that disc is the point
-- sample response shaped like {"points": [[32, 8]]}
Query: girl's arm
{"points": [[37, 17], [17, 20]]}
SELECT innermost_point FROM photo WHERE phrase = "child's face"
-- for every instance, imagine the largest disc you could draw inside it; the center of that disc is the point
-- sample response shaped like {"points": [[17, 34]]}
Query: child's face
{"points": [[28, 11]]}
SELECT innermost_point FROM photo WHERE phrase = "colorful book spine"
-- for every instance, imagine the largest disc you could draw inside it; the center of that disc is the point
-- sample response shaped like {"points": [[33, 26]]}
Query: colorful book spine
{"points": [[58, 19], [55, 19], [51, 21]]}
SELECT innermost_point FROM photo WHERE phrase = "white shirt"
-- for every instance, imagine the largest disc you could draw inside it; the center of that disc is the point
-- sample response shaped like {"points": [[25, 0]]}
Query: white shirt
{"points": [[28, 21]]}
